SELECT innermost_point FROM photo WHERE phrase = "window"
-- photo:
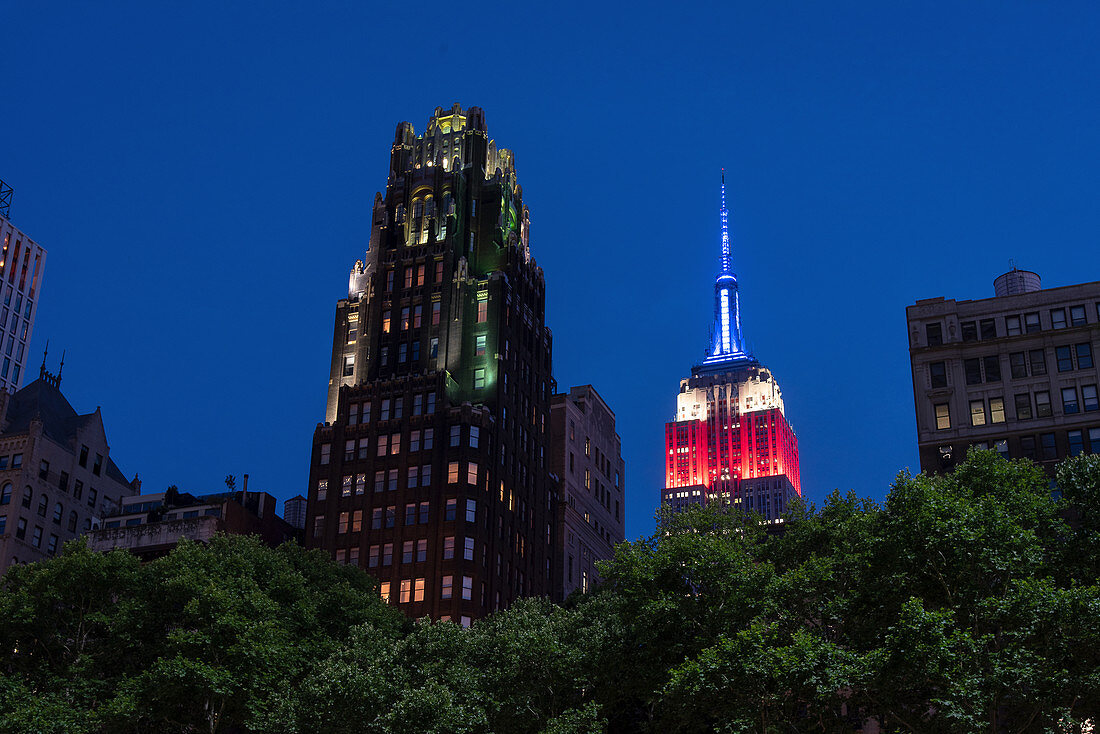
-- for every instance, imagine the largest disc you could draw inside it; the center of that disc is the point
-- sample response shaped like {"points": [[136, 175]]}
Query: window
{"points": [[1076, 443], [51, 545], [376, 519], [425, 475], [1038, 360], [1058, 318], [421, 550], [97, 467], [436, 311], [988, 328], [448, 582], [349, 450], [418, 316], [407, 550], [383, 444], [356, 521], [1069, 400], [21, 528], [410, 513], [973, 370], [450, 509], [1042, 404], [380, 481], [384, 591], [58, 512], [456, 436], [1031, 323], [385, 409], [475, 432], [391, 481], [3, 524], [934, 334], [43, 505], [92, 496], [364, 447], [482, 310], [349, 365], [1094, 440], [84, 456], [422, 513], [1088, 397], [387, 318], [391, 514], [1017, 364], [479, 379], [977, 412], [452, 472], [448, 547], [387, 554], [1047, 447], [468, 549], [992, 366], [1001, 447], [479, 345], [343, 523], [5, 495], [16, 461], [471, 473], [433, 347], [398, 405], [402, 352], [467, 587], [406, 591], [326, 451], [78, 489], [1064, 357], [969, 331], [996, 410], [1012, 325], [1084, 356], [471, 510], [943, 417], [1023, 407], [43, 469], [428, 411], [938, 371], [1077, 316]]}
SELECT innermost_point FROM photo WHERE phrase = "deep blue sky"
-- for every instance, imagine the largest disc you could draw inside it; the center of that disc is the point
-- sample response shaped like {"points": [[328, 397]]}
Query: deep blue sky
{"points": [[202, 173]]}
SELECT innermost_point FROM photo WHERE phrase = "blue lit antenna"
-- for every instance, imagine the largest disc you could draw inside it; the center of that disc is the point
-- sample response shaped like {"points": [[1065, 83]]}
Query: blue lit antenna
{"points": [[728, 345]]}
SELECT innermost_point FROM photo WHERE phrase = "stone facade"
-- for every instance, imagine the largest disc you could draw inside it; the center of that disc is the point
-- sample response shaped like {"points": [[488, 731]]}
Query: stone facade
{"points": [[587, 458], [1016, 373]]}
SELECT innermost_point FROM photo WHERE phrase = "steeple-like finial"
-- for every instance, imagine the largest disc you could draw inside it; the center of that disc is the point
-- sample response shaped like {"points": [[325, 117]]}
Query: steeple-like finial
{"points": [[42, 370], [727, 345]]}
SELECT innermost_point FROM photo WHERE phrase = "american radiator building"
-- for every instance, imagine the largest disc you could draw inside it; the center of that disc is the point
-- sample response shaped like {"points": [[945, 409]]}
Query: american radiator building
{"points": [[730, 440], [430, 470]]}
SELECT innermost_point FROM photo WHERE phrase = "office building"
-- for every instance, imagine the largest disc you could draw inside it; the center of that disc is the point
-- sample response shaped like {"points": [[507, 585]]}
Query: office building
{"points": [[430, 470], [586, 456], [1016, 372], [57, 478], [730, 440], [22, 265]]}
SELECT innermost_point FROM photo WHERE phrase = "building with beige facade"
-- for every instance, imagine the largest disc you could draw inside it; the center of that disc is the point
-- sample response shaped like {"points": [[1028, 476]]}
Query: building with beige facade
{"points": [[1016, 373], [22, 265], [57, 478]]}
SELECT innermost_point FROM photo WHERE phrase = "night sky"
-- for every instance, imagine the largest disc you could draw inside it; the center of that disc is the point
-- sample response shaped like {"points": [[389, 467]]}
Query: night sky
{"points": [[202, 175]]}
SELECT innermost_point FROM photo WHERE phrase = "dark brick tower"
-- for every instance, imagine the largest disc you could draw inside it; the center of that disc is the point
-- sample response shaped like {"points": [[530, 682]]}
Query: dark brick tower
{"points": [[430, 470]]}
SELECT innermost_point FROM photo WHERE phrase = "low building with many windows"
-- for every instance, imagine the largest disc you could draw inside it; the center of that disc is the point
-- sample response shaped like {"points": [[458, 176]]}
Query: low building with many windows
{"points": [[57, 479], [1016, 372]]}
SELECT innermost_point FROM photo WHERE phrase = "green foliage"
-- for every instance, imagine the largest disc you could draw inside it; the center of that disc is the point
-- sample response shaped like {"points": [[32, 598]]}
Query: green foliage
{"points": [[967, 602]]}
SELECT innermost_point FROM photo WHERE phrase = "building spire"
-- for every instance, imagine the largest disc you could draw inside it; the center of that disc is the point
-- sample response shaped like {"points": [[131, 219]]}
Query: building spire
{"points": [[727, 345]]}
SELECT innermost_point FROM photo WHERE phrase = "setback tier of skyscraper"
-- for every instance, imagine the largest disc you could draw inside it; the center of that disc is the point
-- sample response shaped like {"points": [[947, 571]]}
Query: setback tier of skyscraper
{"points": [[730, 440], [431, 469]]}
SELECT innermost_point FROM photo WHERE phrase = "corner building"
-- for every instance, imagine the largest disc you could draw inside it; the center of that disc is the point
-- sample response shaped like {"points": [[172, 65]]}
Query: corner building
{"points": [[1016, 373], [730, 440], [430, 470]]}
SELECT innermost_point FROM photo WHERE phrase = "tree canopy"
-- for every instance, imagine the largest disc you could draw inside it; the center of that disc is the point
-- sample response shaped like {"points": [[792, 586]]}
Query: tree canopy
{"points": [[966, 602]]}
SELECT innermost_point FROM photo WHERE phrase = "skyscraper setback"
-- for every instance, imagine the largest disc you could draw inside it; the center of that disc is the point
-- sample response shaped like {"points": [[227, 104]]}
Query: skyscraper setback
{"points": [[430, 470], [730, 439]]}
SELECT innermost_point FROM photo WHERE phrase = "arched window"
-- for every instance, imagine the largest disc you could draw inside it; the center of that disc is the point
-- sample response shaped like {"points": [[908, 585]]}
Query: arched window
{"points": [[43, 505], [418, 208], [27, 498], [5, 494], [72, 521], [399, 214], [58, 511]]}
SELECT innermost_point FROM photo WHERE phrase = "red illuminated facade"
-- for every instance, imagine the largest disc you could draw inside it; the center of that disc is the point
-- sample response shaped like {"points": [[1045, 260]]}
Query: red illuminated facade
{"points": [[730, 439]]}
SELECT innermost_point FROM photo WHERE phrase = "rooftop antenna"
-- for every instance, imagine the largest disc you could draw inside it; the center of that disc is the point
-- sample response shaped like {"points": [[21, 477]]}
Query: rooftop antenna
{"points": [[5, 200]]}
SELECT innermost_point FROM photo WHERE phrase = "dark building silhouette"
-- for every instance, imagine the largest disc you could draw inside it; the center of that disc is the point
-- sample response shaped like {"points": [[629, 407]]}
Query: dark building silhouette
{"points": [[430, 470], [1016, 373]]}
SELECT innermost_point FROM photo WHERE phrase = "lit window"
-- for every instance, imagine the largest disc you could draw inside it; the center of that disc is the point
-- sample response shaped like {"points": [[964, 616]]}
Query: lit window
{"points": [[447, 584], [384, 590], [479, 345], [385, 322], [406, 591], [479, 379], [943, 417], [471, 473], [448, 547], [977, 412], [482, 311], [452, 472]]}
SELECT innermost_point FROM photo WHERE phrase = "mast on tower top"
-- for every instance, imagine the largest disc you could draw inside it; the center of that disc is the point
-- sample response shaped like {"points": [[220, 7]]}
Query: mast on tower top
{"points": [[727, 345]]}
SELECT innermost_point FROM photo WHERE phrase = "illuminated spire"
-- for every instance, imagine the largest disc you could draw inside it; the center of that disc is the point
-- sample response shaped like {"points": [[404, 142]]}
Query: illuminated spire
{"points": [[727, 342]]}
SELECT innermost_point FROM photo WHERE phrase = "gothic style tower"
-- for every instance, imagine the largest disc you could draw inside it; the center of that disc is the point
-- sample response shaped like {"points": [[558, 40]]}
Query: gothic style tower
{"points": [[430, 470], [730, 439]]}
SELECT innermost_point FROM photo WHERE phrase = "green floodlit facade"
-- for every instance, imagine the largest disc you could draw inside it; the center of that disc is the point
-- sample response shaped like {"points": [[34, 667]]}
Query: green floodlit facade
{"points": [[430, 470]]}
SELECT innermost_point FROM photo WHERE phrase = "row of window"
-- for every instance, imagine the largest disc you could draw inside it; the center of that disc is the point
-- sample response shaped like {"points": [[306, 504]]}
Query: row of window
{"points": [[43, 499], [414, 275], [1032, 363], [1014, 325], [416, 551], [36, 534], [1028, 405], [412, 590], [416, 513], [386, 479], [1044, 446]]}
